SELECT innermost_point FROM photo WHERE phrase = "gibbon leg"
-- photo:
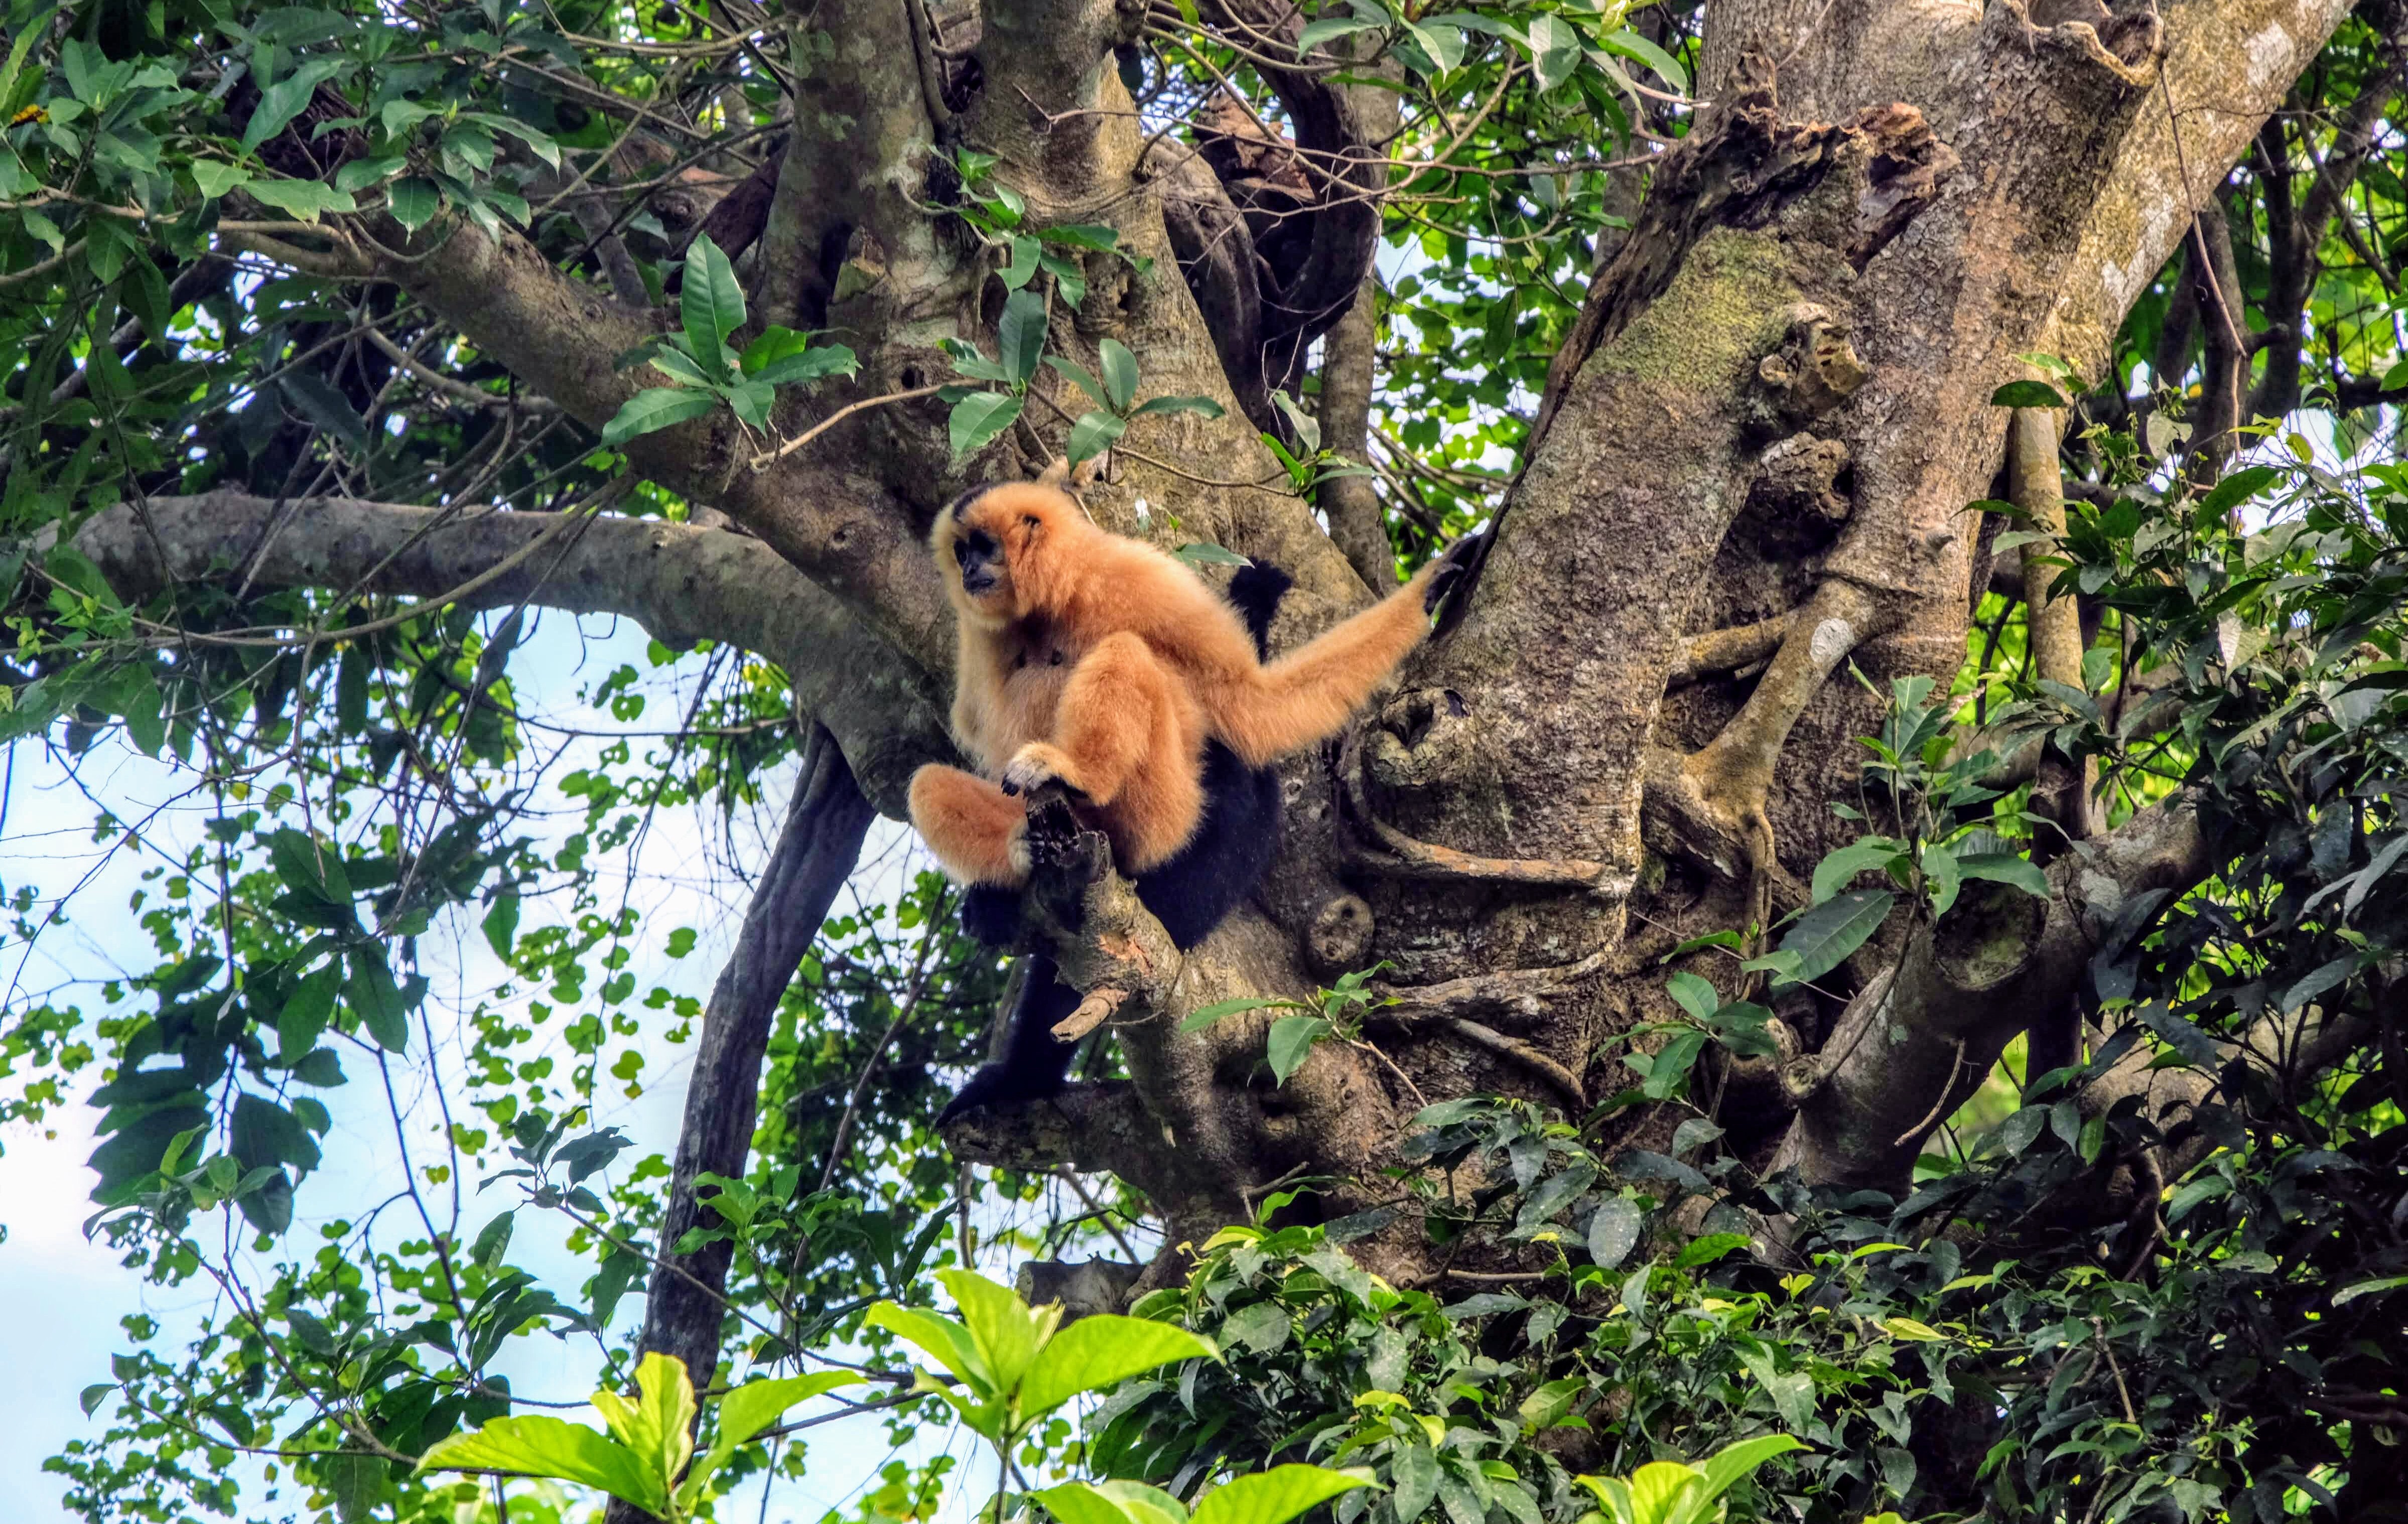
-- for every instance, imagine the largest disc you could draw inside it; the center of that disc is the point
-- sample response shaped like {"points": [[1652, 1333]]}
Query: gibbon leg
{"points": [[979, 833], [1114, 718]]}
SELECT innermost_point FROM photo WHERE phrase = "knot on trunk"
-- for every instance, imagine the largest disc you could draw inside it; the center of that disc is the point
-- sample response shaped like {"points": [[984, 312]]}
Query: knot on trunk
{"points": [[1815, 369]]}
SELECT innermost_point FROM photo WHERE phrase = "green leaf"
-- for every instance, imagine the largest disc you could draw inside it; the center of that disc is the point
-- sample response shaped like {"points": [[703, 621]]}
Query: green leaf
{"points": [[2237, 489], [1100, 1351], [357, 1483], [1199, 553], [1412, 1477], [682, 368], [1205, 406], [360, 174], [2026, 395], [1614, 1232], [1204, 1016], [1864, 855], [303, 199], [1941, 876], [1733, 1464], [757, 1405], [1323, 31], [1110, 1502], [494, 1241], [215, 180], [319, 402], [2005, 868], [712, 303], [537, 1446], [1020, 337], [947, 1341], [501, 925], [978, 417], [812, 364], [1694, 995], [657, 1428], [1824, 935], [1443, 44], [95, 1395], [1663, 65], [413, 202], [1120, 373], [1273, 1496], [1555, 49], [281, 102], [1085, 378], [2341, 1298], [655, 408], [382, 1006], [1002, 1327], [1291, 1042], [1094, 434]]}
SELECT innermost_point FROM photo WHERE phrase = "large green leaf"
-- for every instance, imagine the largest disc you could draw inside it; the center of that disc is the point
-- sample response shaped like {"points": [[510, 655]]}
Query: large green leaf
{"points": [[1120, 373], [757, 1405], [1006, 1332], [978, 417], [947, 1341], [1864, 855], [1824, 935], [1725, 1468], [1273, 1496], [712, 303], [537, 1446], [1094, 434], [1111, 1502], [1020, 337], [655, 408], [658, 1426], [1102, 1351]]}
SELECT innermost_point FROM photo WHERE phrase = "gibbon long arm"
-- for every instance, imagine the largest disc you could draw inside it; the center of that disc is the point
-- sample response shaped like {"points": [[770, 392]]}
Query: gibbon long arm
{"points": [[1307, 695], [1100, 661]]}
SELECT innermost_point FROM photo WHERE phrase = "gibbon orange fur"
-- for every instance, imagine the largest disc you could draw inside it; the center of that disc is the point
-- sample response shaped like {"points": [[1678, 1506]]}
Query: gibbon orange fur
{"points": [[1098, 660]]}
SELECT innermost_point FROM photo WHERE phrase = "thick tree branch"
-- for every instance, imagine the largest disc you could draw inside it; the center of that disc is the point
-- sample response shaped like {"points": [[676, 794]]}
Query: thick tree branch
{"points": [[685, 1308], [1922, 1037], [1352, 503], [682, 584], [563, 338], [858, 151]]}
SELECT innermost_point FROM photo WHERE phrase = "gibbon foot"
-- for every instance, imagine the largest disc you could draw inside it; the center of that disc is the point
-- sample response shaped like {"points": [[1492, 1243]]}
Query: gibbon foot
{"points": [[1036, 764]]}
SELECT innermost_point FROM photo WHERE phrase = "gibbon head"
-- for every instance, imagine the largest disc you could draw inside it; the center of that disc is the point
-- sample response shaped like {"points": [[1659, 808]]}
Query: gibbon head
{"points": [[991, 545]]}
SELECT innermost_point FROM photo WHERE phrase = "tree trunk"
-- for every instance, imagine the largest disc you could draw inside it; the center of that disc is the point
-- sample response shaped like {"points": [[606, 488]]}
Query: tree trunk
{"points": [[685, 1309]]}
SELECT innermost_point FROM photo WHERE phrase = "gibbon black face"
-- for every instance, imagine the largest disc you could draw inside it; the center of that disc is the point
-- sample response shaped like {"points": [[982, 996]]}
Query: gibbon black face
{"points": [[981, 560], [969, 544]]}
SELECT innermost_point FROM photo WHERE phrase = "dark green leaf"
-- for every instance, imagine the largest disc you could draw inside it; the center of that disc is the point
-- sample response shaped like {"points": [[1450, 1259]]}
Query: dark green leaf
{"points": [[978, 417], [1020, 337], [2026, 395], [1826, 934]]}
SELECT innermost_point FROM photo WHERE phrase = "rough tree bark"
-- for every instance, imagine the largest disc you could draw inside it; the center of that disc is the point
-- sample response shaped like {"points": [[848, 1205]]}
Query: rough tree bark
{"points": [[1749, 469]]}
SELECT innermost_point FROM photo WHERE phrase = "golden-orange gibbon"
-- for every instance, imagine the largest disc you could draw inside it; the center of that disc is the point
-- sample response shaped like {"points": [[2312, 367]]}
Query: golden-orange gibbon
{"points": [[1099, 662]]}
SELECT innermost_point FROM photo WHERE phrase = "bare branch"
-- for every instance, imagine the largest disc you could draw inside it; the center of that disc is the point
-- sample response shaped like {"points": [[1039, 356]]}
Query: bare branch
{"points": [[681, 583]]}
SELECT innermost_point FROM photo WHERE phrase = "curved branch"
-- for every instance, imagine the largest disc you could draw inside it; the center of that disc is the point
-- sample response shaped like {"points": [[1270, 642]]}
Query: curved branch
{"points": [[681, 583]]}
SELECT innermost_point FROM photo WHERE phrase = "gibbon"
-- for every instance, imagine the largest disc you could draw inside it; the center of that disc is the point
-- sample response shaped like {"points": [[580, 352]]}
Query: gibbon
{"points": [[1099, 662], [1202, 882]]}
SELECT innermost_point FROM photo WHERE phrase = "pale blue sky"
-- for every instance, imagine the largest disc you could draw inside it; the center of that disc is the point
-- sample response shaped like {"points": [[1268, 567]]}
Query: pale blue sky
{"points": [[64, 1296]]}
